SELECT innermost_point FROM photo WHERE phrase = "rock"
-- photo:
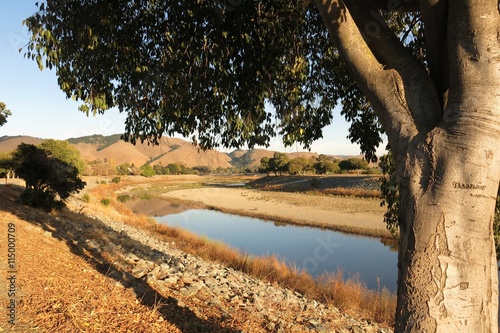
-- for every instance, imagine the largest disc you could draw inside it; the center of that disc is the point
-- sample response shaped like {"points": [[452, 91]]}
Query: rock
{"points": [[131, 258], [139, 272], [92, 245]]}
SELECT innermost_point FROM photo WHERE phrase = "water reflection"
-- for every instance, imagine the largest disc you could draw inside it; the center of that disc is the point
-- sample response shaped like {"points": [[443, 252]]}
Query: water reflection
{"points": [[313, 249]]}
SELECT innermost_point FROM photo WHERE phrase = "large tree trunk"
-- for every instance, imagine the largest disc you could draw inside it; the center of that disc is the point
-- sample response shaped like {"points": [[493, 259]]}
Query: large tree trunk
{"points": [[444, 129], [447, 264], [449, 182]]}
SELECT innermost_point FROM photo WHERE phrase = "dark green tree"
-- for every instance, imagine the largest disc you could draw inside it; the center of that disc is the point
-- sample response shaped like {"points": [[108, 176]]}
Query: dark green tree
{"points": [[49, 180], [176, 168], [147, 170], [203, 169], [65, 152], [207, 69], [325, 164], [299, 165], [279, 163], [159, 169], [353, 164], [264, 165]]}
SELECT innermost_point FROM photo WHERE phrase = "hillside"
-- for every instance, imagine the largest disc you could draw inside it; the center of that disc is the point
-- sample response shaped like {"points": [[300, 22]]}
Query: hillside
{"points": [[112, 148], [10, 143], [251, 158], [170, 150], [94, 269]]}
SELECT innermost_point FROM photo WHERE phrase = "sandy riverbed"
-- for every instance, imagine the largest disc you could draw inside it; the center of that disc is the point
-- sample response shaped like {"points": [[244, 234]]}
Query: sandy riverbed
{"points": [[346, 214]]}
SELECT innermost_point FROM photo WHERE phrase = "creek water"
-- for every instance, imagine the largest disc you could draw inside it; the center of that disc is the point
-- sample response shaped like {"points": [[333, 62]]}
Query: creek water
{"points": [[313, 249]]}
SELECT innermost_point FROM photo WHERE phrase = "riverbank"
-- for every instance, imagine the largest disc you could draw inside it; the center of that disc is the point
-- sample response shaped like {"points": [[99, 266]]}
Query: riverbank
{"points": [[354, 215], [297, 200]]}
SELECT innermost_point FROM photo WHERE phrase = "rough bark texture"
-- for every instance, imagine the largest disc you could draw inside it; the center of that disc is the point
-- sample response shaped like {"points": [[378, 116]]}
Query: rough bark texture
{"points": [[444, 129]]}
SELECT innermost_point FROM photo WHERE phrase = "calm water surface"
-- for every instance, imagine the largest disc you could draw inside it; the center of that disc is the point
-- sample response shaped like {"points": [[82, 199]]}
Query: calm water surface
{"points": [[313, 249]]}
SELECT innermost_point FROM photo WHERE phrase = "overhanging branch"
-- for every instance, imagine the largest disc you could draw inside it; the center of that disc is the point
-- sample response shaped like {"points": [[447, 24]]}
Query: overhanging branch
{"points": [[382, 87], [396, 5], [392, 54], [394, 82]]}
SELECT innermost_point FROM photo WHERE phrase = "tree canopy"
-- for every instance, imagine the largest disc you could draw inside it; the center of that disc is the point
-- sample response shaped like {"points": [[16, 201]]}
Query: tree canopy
{"points": [[65, 152], [49, 180], [4, 113], [205, 69]]}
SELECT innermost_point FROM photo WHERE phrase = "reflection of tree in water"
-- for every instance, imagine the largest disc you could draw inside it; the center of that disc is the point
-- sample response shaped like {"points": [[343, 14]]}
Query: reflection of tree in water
{"points": [[391, 243]]}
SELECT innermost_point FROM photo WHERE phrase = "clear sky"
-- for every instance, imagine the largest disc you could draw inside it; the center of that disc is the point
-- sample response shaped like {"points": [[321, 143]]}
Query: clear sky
{"points": [[40, 109]]}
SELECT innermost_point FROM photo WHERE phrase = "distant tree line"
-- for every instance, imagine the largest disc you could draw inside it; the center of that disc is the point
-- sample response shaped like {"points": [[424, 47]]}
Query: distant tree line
{"points": [[108, 168], [280, 164]]}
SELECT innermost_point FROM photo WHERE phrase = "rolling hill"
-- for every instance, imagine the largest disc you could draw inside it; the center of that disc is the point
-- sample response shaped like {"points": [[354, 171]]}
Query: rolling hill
{"points": [[170, 150]]}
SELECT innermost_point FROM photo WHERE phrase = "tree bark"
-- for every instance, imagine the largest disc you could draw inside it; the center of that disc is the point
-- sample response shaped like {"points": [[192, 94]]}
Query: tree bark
{"points": [[444, 130], [447, 264]]}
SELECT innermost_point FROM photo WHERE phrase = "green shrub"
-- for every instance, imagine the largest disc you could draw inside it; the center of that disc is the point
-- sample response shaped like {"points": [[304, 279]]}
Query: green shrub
{"points": [[105, 201], [116, 180], [86, 198], [123, 197]]}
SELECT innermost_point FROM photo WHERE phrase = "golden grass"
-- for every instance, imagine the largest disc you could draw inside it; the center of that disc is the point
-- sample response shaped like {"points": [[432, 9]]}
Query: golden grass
{"points": [[59, 291], [349, 295], [353, 192]]}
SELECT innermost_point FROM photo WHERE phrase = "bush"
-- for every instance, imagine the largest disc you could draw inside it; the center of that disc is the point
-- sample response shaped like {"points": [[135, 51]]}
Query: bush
{"points": [[116, 180], [86, 198], [105, 201], [147, 170], [40, 199], [49, 180], [123, 197]]}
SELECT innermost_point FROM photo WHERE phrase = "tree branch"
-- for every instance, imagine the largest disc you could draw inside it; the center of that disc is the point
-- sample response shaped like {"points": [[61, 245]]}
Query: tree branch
{"points": [[434, 15], [396, 85], [392, 54], [381, 87], [396, 6]]}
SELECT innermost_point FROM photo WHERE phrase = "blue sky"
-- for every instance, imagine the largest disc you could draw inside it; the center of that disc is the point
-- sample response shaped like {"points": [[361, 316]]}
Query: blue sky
{"points": [[40, 109]]}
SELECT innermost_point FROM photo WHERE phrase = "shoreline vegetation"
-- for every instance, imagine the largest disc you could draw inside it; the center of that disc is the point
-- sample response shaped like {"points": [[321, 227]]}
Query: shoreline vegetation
{"points": [[311, 195]]}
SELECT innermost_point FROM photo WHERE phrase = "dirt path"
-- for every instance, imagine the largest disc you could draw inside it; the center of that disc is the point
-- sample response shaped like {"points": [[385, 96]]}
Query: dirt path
{"points": [[345, 214]]}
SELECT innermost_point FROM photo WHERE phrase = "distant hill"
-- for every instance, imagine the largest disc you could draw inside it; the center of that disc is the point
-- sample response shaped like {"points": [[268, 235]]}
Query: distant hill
{"points": [[112, 148], [10, 143], [251, 158], [97, 139], [170, 150]]}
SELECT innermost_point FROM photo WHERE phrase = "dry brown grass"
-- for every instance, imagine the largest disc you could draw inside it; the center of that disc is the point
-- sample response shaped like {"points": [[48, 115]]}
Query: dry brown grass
{"points": [[352, 192], [349, 295], [64, 287], [59, 291]]}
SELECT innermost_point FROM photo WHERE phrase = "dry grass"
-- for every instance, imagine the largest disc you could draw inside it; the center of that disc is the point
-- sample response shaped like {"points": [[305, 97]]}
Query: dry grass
{"points": [[352, 192], [59, 291], [64, 287], [349, 295]]}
